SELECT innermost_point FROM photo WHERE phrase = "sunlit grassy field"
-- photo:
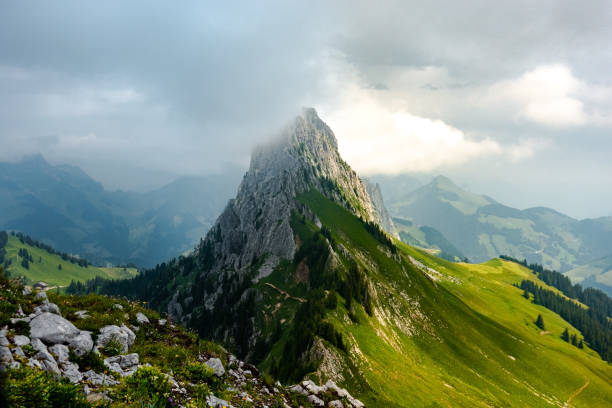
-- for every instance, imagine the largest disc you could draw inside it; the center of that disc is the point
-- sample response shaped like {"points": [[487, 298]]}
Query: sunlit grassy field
{"points": [[45, 267]]}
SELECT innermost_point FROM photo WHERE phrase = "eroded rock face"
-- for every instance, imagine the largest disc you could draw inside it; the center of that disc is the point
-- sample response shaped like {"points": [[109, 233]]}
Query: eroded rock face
{"points": [[47, 307], [82, 343], [21, 340], [71, 372], [217, 366], [52, 328], [124, 365], [122, 334], [379, 206], [60, 351]]}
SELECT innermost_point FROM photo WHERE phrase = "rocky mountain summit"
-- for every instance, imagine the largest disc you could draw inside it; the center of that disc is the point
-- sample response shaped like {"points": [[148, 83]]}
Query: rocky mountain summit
{"points": [[256, 223]]}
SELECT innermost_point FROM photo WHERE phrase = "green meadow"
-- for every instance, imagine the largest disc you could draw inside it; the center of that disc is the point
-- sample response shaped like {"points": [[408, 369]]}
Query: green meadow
{"points": [[443, 333], [46, 267]]}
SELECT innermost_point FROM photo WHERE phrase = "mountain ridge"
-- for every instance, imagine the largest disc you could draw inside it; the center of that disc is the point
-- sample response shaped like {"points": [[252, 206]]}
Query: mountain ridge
{"points": [[65, 208], [482, 228]]}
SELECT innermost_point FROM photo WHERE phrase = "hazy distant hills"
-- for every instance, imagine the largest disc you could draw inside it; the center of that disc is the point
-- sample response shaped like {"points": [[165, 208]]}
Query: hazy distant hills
{"points": [[64, 207], [481, 228]]}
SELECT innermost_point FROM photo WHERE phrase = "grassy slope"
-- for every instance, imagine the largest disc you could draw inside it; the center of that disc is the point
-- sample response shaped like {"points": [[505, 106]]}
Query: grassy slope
{"points": [[471, 343], [46, 270]]}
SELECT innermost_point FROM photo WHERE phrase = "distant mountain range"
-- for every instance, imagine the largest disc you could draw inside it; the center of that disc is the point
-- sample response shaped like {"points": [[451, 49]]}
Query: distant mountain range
{"points": [[65, 208], [480, 228]]}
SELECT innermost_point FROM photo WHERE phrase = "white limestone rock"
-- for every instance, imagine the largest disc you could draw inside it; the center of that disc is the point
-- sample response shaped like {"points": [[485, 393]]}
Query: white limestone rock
{"points": [[52, 328], [217, 366], [41, 295], [122, 334], [47, 307], [96, 379], [60, 351], [82, 343], [5, 355], [21, 340], [38, 345], [313, 388], [18, 352], [71, 372], [316, 401], [215, 402], [141, 318]]}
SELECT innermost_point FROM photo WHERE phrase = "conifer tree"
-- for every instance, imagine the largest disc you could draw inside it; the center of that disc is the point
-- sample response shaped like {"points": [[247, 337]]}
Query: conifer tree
{"points": [[580, 344], [574, 340], [565, 336], [540, 322]]}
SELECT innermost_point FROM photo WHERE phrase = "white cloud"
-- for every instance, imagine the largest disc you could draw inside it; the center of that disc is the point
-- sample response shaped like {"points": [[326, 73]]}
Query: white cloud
{"points": [[551, 95], [377, 136]]}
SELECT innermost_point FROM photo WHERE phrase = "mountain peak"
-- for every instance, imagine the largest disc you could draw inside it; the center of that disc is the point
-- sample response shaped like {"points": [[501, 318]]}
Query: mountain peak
{"points": [[257, 222], [443, 182]]}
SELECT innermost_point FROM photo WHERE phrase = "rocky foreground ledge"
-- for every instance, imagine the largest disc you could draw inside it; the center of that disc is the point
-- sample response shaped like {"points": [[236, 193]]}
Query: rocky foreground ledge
{"points": [[105, 360]]}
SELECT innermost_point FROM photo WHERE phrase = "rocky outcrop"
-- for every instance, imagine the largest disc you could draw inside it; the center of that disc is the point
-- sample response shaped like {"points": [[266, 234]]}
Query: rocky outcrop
{"points": [[52, 328], [325, 395], [379, 206], [124, 365], [123, 335], [217, 366], [256, 222], [49, 328]]}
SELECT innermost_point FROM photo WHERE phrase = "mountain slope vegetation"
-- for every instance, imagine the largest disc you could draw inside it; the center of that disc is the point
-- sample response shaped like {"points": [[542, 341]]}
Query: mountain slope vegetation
{"points": [[481, 228], [34, 262], [298, 277]]}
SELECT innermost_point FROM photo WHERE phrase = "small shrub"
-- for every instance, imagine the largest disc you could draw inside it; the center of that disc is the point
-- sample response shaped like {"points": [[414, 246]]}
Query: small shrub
{"points": [[89, 361], [28, 350], [331, 301], [199, 372], [198, 393], [149, 386], [29, 388], [22, 328], [267, 379], [113, 346]]}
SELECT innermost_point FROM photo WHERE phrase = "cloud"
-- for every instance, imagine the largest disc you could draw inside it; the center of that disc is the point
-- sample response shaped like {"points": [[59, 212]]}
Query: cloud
{"points": [[551, 95], [378, 138]]}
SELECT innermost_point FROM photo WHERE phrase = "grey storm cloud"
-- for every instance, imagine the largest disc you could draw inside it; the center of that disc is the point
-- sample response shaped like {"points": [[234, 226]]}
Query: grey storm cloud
{"points": [[150, 90]]}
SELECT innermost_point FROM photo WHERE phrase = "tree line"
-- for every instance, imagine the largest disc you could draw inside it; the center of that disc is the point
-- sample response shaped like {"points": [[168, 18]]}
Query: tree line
{"points": [[594, 298], [25, 239], [595, 327]]}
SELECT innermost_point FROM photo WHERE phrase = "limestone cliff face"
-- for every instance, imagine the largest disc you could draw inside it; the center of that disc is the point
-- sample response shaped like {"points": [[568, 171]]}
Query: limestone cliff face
{"points": [[256, 222], [379, 206]]}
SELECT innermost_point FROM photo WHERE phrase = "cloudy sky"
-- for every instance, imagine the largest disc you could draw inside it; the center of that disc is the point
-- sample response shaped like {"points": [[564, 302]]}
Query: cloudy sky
{"points": [[511, 99]]}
